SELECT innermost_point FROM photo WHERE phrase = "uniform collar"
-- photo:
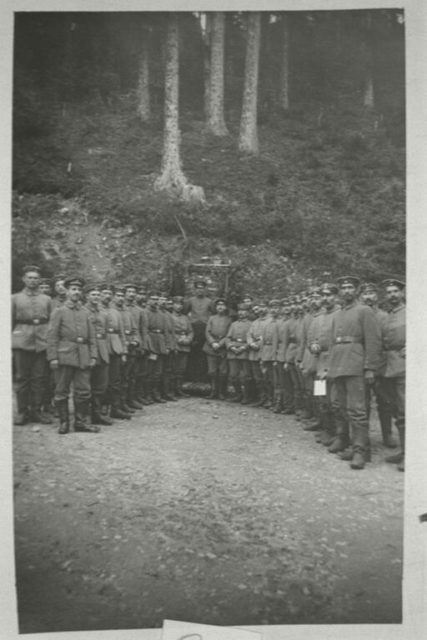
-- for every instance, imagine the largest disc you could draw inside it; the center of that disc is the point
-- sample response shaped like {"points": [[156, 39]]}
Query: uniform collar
{"points": [[30, 293], [73, 305], [396, 309]]}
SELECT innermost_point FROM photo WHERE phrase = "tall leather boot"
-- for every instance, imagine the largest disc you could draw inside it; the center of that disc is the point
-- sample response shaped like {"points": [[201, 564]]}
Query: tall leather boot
{"points": [[269, 395], [385, 422], [245, 392], [401, 465], [360, 446], [168, 389], [116, 410], [222, 384], [140, 391], [156, 392], [214, 387], [238, 390], [81, 417], [260, 393], [131, 400], [342, 437], [40, 416], [97, 416], [179, 391], [277, 403], [63, 418]]}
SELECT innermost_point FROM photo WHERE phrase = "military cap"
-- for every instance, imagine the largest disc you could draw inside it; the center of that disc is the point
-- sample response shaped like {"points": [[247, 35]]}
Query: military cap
{"points": [[328, 288], [247, 296], [30, 267], [368, 286], [130, 285], [274, 303], [393, 282], [46, 281], [59, 278], [92, 286], [220, 300], [105, 286], [200, 282], [142, 289], [177, 299], [75, 281], [243, 306], [348, 280]]}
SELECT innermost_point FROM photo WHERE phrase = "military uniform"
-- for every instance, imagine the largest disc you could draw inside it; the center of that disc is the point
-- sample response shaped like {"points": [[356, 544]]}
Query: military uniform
{"points": [[199, 309], [184, 336], [215, 348], [71, 342], [157, 343], [136, 349], [268, 355], [30, 317], [237, 356], [356, 344], [117, 352], [127, 368], [254, 340], [290, 359]]}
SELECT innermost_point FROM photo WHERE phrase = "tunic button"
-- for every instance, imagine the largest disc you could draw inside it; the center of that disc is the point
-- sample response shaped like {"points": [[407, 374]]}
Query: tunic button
{"points": [[36, 321]]}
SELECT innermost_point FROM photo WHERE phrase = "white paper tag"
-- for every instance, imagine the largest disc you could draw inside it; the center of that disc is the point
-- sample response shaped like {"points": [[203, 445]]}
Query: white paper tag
{"points": [[152, 356], [319, 388], [174, 630]]}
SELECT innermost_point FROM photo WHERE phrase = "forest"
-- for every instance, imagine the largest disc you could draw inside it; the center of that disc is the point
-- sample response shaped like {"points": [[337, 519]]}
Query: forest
{"points": [[145, 141]]}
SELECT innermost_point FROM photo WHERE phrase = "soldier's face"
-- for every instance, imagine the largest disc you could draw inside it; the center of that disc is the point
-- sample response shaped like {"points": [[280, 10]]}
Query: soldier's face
{"points": [[177, 307], [394, 295], [119, 298], [74, 293], [106, 296], [220, 308], [130, 294], [348, 292], [316, 302], [200, 291], [45, 288], [369, 298], [31, 279], [262, 310], [94, 297], [59, 288], [274, 311], [255, 310], [153, 301], [242, 314], [328, 300]]}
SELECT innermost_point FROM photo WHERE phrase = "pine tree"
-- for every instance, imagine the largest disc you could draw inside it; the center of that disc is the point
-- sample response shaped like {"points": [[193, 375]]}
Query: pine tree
{"points": [[216, 120], [143, 91], [284, 79], [248, 138]]}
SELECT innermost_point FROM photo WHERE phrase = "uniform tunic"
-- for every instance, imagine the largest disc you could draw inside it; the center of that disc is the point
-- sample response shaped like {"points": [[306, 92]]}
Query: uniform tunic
{"points": [[183, 331], [237, 339], [393, 331], [269, 339], [99, 373], [216, 331], [254, 339], [30, 317]]}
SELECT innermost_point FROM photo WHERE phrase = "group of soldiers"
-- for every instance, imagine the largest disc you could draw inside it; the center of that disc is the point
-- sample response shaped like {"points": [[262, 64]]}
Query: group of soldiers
{"points": [[321, 355]]}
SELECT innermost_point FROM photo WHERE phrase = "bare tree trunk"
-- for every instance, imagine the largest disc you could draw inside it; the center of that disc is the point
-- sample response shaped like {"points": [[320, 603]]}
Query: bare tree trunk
{"points": [[284, 84], [172, 179], [369, 94], [205, 23], [143, 91], [248, 138], [216, 121]]}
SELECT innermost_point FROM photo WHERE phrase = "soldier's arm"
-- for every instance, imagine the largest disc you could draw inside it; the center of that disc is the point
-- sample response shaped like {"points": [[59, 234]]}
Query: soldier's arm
{"points": [[53, 335], [91, 332], [122, 334], [372, 339]]}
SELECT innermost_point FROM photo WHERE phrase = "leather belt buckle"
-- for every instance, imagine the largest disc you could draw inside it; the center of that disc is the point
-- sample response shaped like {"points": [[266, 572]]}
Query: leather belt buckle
{"points": [[338, 340], [110, 330], [80, 340], [127, 332], [36, 321], [99, 335]]}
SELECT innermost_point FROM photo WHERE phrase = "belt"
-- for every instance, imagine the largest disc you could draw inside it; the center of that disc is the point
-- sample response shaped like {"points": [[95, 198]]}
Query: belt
{"points": [[79, 340], [128, 332], [100, 336], [155, 331], [347, 340], [239, 340], [113, 331], [35, 321], [292, 341]]}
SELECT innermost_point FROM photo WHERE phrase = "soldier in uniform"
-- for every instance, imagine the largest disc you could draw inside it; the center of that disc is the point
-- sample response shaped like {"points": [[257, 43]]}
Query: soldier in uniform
{"points": [[308, 360], [290, 355], [130, 332], [46, 286], [268, 355], [184, 336], [198, 308], [254, 340], [117, 353], [393, 333], [60, 292], [136, 345], [215, 349], [99, 373], [354, 358], [369, 296], [72, 351], [30, 314], [237, 354], [157, 329], [166, 385]]}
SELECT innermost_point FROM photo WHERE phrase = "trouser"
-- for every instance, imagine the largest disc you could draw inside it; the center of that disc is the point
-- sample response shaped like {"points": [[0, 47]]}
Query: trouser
{"points": [[349, 403], [155, 367], [267, 371], [379, 388], [395, 390], [129, 371], [179, 363], [326, 410], [239, 370], [31, 375], [99, 379], [217, 365], [81, 383], [297, 386], [197, 365], [141, 373], [114, 380], [283, 389], [166, 376], [309, 404], [256, 373]]}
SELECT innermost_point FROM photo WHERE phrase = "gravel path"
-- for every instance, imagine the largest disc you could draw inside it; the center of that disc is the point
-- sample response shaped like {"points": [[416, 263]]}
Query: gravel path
{"points": [[203, 511]]}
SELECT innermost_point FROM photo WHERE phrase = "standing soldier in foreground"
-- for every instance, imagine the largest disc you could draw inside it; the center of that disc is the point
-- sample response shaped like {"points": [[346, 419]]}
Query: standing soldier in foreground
{"points": [[393, 331], [157, 345], [354, 357], [184, 336], [30, 314], [72, 351], [199, 309], [237, 354], [215, 349], [269, 340], [99, 373], [254, 355]]}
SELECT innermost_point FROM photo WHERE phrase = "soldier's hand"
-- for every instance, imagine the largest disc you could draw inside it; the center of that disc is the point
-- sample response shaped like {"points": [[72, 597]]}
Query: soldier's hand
{"points": [[92, 362], [275, 363], [54, 364], [124, 359], [285, 366], [369, 377]]}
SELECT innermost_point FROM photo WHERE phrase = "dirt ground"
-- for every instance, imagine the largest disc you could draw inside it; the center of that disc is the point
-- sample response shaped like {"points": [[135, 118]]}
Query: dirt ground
{"points": [[202, 511]]}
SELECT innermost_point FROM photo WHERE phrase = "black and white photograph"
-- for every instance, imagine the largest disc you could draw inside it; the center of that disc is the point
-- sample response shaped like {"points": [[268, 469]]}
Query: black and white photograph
{"points": [[208, 269]]}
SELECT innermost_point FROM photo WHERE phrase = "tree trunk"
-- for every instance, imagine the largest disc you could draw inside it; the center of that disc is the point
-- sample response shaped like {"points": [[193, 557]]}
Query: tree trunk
{"points": [[172, 179], [369, 94], [205, 24], [143, 91], [216, 121], [284, 84], [248, 138]]}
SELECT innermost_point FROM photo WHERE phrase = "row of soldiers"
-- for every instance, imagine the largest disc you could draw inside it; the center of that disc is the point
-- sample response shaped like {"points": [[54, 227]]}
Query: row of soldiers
{"points": [[320, 355]]}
